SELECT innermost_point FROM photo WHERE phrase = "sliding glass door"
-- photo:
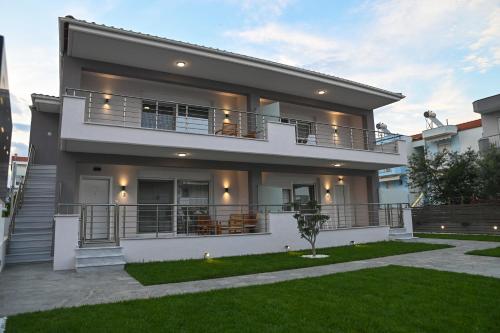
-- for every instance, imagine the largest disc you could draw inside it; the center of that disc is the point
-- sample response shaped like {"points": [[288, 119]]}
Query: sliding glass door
{"points": [[155, 211], [192, 198]]}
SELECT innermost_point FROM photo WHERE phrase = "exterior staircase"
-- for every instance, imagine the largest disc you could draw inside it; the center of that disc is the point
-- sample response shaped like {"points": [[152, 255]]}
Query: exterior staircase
{"points": [[99, 258], [31, 239], [400, 234]]}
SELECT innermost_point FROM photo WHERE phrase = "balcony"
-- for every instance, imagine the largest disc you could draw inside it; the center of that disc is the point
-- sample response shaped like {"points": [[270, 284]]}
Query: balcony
{"points": [[112, 123], [488, 142]]}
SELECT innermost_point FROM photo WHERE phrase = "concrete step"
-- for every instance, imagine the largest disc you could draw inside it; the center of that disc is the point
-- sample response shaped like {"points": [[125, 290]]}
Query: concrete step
{"points": [[113, 266], [397, 230], [401, 236], [31, 236], [28, 257], [30, 249], [20, 225], [32, 229], [17, 244], [44, 218], [98, 258]]}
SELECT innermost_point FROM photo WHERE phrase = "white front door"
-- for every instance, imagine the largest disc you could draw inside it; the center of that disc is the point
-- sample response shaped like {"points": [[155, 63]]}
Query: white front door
{"points": [[94, 192]]}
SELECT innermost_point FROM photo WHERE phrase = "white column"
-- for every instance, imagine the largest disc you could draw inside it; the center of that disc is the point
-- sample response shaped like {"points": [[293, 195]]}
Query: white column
{"points": [[65, 241]]}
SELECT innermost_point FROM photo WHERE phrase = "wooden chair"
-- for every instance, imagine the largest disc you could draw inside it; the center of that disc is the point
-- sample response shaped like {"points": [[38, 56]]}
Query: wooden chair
{"points": [[235, 224], [250, 222], [206, 226], [228, 129]]}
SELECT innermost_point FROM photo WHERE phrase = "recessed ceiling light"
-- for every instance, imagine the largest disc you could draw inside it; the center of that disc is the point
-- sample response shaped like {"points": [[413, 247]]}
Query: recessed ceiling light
{"points": [[182, 154], [180, 64], [321, 92], [337, 165]]}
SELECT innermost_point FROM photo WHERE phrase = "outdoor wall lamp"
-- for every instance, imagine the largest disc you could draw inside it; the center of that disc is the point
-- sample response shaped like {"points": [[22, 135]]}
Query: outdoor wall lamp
{"points": [[123, 190], [106, 100], [341, 179], [226, 189], [327, 191]]}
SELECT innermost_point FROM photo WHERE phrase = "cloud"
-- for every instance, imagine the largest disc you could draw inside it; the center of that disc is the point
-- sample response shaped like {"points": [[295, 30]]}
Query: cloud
{"points": [[485, 51], [257, 10], [414, 47]]}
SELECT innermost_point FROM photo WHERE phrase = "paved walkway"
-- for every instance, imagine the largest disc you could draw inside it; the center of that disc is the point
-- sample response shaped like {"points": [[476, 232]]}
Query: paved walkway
{"points": [[27, 288]]}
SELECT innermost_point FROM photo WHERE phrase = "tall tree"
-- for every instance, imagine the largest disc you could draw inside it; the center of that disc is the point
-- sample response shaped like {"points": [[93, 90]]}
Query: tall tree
{"points": [[444, 177]]}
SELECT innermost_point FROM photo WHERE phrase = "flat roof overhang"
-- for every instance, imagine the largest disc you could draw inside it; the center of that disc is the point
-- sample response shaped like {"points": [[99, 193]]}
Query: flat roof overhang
{"points": [[107, 44], [487, 104], [46, 103]]}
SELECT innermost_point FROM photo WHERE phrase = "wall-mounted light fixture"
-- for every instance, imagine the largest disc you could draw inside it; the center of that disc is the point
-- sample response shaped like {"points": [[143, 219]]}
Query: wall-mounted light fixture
{"points": [[287, 248], [206, 255], [123, 191], [442, 227], [495, 227], [341, 179], [106, 100], [226, 189], [327, 191]]}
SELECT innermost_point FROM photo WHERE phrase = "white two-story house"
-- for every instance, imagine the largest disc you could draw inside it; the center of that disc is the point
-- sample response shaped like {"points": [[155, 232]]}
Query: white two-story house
{"points": [[171, 150]]}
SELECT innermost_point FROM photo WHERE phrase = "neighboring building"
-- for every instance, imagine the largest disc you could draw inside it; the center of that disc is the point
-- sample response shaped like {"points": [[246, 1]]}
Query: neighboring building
{"points": [[436, 138], [5, 122], [18, 166], [169, 147], [489, 109]]}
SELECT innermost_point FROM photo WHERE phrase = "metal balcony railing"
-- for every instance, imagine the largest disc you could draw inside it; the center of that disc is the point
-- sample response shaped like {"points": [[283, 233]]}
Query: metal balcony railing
{"points": [[140, 112], [108, 223]]}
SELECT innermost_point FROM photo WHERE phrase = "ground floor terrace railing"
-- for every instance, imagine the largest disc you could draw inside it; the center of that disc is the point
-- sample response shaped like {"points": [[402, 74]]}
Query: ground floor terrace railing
{"points": [[107, 223], [487, 142], [161, 115]]}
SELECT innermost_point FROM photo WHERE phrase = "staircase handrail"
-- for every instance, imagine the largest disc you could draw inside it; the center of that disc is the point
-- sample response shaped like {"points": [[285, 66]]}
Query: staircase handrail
{"points": [[18, 200]]}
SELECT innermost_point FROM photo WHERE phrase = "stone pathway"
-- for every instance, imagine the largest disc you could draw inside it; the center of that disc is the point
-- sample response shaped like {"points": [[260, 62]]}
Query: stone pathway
{"points": [[27, 288]]}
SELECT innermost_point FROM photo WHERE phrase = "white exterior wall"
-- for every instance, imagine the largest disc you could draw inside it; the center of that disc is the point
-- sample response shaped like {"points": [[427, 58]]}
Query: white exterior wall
{"points": [[126, 175], [283, 231], [491, 123], [65, 241], [112, 84], [280, 146], [468, 139]]}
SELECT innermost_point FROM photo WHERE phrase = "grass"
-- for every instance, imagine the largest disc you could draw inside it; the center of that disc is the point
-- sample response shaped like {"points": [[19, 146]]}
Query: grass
{"points": [[386, 299], [198, 269], [485, 238], [494, 252]]}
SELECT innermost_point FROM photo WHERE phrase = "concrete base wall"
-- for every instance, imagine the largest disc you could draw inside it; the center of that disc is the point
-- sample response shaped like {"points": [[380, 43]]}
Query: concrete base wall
{"points": [[283, 231], [65, 241]]}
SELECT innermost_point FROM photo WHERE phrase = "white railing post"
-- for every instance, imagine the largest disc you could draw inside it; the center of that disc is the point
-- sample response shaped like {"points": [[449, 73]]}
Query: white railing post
{"points": [[124, 111], [89, 112], [156, 115]]}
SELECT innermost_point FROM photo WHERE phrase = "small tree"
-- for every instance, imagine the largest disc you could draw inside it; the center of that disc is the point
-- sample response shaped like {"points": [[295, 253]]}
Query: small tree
{"points": [[309, 222], [489, 174]]}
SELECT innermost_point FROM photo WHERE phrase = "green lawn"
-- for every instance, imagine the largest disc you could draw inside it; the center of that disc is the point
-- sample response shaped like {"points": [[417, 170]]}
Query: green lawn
{"points": [[494, 252], [198, 269], [485, 238], [386, 299]]}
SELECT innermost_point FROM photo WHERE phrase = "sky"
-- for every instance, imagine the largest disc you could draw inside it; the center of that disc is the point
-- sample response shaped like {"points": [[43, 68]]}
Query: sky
{"points": [[441, 54]]}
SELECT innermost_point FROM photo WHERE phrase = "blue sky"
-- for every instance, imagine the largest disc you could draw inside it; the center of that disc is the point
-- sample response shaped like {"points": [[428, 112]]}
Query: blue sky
{"points": [[442, 54]]}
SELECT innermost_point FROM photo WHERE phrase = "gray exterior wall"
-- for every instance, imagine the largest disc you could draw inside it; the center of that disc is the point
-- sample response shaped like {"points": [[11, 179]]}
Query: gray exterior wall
{"points": [[71, 77], [44, 136], [5, 123]]}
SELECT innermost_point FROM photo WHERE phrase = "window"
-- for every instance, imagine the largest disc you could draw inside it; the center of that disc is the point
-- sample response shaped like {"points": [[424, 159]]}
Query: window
{"points": [[444, 146], [303, 194], [164, 119]]}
